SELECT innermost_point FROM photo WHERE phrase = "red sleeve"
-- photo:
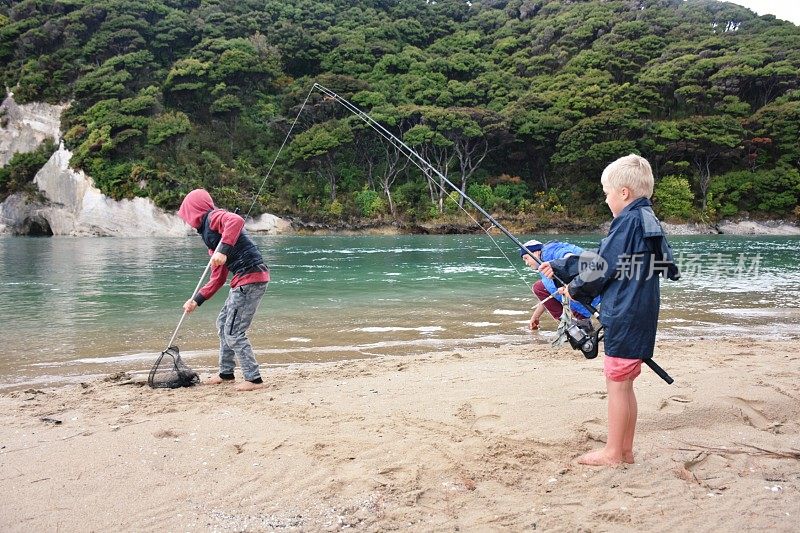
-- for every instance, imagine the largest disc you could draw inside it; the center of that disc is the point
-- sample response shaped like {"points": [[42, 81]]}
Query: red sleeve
{"points": [[218, 276], [228, 224]]}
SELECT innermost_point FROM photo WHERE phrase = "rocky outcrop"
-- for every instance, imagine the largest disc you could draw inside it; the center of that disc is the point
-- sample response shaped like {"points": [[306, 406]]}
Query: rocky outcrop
{"points": [[727, 227], [753, 227], [24, 127], [268, 224], [69, 203], [75, 207]]}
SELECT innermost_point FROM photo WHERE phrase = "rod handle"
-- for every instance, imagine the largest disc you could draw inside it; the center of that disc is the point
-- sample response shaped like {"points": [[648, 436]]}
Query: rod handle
{"points": [[658, 370]]}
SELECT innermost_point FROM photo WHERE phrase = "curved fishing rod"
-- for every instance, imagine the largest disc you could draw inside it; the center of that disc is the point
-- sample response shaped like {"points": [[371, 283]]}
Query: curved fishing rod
{"points": [[426, 168], [424, 165]]}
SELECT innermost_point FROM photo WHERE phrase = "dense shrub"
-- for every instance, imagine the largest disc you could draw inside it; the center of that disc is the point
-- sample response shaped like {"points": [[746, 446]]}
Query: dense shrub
{"points": [[774, 191], [673, 198], [18, 174]]}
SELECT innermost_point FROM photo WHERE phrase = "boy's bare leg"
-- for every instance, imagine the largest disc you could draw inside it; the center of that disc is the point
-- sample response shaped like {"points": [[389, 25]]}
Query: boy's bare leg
{"points": [[630, 430], [620, 426]]}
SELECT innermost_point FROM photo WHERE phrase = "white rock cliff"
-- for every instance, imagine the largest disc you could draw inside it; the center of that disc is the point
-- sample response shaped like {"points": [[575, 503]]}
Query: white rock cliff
{"points": [[72, 204]]}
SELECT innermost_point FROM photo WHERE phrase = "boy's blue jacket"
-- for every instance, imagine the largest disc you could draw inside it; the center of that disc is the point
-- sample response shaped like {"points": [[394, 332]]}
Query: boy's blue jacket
{"points": [[557, 250], [626, 272]]}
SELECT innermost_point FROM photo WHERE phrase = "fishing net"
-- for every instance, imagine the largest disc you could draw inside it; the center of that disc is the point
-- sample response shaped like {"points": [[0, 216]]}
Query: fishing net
{"points": [[170, 372]]}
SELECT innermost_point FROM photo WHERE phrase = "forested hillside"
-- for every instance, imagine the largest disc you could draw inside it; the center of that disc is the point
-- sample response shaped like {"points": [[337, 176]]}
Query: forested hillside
{"points": [[520, 102]]}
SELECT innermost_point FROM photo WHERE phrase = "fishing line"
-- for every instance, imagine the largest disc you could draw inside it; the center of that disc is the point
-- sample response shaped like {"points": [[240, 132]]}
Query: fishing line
{"points": [[288, 133]]}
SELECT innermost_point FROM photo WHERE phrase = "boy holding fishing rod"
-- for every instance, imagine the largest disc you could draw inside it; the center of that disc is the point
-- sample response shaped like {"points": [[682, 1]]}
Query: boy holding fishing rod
{"points": [[237, 254], [545, 289], [625, 272]]}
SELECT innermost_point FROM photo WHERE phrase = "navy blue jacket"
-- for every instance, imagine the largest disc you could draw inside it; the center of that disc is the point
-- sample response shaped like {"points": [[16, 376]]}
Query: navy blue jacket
{"points": [[626, 272]]}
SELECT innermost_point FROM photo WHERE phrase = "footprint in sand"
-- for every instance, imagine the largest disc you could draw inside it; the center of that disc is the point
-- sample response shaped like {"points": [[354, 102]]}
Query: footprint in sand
{"points": [[166, 434], [710, 471], [593, 430], [674, 404], [480, 422], [465, 412], [486, 422], [596, 395], [615, 516], [752, 416]]}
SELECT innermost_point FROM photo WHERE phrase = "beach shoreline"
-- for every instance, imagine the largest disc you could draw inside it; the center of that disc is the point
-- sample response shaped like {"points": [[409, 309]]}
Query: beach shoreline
{"points": [[737, 226], [474, 439]]}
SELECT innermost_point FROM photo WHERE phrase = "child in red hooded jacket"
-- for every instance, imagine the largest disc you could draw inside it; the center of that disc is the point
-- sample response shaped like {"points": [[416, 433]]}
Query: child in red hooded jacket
{"points": [[237, 254]]}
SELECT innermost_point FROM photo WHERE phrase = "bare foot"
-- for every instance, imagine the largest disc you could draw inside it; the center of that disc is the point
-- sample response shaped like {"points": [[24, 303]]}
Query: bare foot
{"points": [[599, 458], [216, 380], [248, 386], [627, 457]]}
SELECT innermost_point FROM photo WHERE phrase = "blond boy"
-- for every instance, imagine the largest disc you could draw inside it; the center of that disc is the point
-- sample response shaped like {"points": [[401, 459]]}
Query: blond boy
{"points": [[625, 272]]}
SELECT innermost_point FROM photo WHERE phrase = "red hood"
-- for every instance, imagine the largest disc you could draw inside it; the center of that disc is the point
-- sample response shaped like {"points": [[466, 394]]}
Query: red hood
{"points": [[196, 204]]}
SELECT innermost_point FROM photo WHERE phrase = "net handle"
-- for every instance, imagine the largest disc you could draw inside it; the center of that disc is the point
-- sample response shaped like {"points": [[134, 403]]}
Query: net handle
{"points": [[199, 282]]}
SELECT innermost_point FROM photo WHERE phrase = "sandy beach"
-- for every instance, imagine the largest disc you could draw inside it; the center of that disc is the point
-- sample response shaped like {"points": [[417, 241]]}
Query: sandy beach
{"points": [[484, 439]]}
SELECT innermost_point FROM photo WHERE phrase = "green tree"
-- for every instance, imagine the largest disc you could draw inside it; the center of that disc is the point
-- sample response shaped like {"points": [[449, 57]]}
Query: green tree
{"points": [[673, 198], [704, 142], [318, 147]]}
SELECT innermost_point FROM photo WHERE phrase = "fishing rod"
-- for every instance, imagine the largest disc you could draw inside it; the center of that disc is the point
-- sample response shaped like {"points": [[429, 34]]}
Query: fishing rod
{"points": [[422, 164], [586, 342], [579, 339]]}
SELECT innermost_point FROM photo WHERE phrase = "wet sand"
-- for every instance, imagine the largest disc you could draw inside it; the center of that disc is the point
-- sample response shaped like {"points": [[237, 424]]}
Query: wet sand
{"points": [[463, 440]]}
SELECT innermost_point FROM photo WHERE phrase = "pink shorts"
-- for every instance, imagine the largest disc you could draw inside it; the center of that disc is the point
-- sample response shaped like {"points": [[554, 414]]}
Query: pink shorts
{"points": [[620, 369]]}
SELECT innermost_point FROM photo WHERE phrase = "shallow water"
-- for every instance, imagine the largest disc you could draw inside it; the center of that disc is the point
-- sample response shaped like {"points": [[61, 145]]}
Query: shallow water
{"points": [[77, 307]]}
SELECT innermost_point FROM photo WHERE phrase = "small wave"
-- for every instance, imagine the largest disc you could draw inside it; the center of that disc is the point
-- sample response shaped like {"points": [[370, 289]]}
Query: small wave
{"points": [[51, 380], [104, 360], [481, 324], [124, 358], [354, 251], [460, 269], [298, 339], [425, 342], [508, 312], [755, 312], [384, 329]]}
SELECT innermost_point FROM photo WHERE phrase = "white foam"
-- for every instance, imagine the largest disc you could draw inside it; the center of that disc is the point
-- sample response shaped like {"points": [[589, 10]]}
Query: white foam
{"points": [[298, 339], [125, 358], [428, 342], [460, 269], [384, 329], [508, 312], [353, 251], [104, 360], [769, 311], [481, 324], [49, 380]]}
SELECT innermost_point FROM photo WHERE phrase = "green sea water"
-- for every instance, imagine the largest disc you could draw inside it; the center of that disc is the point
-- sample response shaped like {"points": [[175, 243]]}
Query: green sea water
{"points": [[72, 308]]}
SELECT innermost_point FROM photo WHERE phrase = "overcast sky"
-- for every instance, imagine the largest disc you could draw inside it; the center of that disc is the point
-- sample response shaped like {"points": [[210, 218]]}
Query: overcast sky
{"points": [[782, 9]]}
